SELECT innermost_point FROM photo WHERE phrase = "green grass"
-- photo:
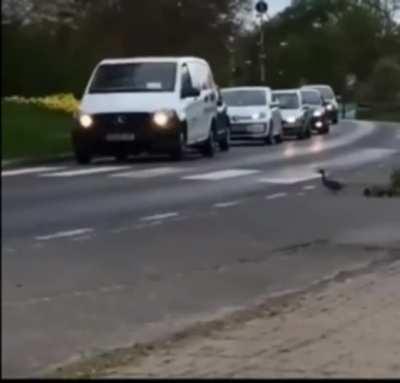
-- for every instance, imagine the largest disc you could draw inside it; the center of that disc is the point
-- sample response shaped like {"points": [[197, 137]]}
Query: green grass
{"points": [[32, 132]]}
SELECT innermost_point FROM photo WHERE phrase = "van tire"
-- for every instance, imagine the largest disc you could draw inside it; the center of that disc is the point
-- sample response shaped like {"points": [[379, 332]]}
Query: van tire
{"points": [[178, 154], [225, 143], [209, 147], [82, 156]]}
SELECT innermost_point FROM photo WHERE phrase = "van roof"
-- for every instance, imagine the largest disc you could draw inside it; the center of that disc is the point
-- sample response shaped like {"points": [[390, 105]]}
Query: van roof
{"points": [[286, 91], [160, 59], [247, 88]]}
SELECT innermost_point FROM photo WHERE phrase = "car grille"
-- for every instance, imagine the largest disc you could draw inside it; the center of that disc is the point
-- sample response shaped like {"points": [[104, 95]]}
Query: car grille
{"points": [[122, 122], [248, 128]]}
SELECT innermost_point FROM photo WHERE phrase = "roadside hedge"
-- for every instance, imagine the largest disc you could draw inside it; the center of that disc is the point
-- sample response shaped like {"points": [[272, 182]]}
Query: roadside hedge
{"points": [[63, 102]]}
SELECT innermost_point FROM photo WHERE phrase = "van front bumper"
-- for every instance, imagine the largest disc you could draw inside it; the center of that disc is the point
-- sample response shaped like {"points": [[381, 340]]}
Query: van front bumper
{"points": [[132, 133]]}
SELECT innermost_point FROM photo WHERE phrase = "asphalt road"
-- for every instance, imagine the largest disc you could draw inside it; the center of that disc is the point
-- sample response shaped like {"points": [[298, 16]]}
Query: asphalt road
{"points": [[100, 257]]}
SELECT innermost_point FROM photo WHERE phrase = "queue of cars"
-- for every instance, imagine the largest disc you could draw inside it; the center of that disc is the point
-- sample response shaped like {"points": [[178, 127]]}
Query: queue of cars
{"points": [[169, 104]]}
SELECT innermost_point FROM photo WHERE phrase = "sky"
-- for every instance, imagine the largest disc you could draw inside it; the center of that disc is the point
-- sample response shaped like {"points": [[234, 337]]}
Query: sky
{"points": [[276, 5]]}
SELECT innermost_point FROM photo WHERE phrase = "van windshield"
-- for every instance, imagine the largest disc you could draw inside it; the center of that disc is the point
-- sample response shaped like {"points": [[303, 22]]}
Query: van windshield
{"points": [[287, 100], [134, 77], [245, 97]]}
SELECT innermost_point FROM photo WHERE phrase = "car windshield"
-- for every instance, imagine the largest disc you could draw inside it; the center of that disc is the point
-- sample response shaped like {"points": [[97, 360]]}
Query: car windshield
{"points": [[135, 77], [245, 97], [326, 92], [287, 100], [311, 98]]}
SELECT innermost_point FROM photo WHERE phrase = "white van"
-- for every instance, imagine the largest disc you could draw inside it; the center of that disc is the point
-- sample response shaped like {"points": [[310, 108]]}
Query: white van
{"points": [[253, 114], [150, 105]]}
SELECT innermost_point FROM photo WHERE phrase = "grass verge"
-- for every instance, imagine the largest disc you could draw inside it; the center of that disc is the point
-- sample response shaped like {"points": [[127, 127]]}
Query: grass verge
{"points": [[31, 132]]}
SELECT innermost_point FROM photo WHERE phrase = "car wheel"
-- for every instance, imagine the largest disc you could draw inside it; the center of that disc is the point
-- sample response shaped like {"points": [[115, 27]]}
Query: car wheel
{"points": [[278, 139], [269, 140], [210, 146], [225, 143], [179, 153]]}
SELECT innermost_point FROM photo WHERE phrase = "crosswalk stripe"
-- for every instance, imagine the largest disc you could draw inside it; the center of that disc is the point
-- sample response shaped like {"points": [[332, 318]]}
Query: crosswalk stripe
{"points": [[26, 171], [84, 172], [221, 175], [149, 173], [288, 179]]}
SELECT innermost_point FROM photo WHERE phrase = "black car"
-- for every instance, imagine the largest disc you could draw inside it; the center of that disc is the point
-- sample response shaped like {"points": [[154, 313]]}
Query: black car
{"points": [[330, 99], [316, 113]]}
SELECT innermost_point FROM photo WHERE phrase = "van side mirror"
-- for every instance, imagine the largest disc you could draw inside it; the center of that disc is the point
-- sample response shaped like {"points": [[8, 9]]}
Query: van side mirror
{"points": [[190, 92]]}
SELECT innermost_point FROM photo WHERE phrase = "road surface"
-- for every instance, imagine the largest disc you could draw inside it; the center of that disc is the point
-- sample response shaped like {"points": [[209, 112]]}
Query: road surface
{"points": [[100, 257]]}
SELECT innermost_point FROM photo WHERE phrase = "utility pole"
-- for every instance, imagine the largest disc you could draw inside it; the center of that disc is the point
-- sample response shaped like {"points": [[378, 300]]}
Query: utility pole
{"points": [[263, 55], [262, 9], [232, 59]]}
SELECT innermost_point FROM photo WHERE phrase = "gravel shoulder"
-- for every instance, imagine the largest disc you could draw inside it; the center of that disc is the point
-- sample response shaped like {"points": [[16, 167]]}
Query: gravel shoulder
{"points": [[351, 329]]}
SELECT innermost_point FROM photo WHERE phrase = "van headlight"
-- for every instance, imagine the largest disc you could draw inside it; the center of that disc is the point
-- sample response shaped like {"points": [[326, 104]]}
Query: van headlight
{"points": [[86, 121], [318, 113], [162, 119], [329, 107]]}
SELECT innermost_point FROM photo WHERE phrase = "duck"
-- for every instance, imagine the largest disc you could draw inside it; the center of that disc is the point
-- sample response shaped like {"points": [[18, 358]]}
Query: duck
{"points": [[332, 185]]}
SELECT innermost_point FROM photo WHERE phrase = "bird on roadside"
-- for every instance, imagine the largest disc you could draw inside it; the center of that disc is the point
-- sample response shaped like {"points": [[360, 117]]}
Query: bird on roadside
{"points": [[332, 185]]}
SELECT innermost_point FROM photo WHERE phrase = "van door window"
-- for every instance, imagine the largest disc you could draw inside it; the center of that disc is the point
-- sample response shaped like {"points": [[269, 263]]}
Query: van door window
{"points": [[186, 81]]}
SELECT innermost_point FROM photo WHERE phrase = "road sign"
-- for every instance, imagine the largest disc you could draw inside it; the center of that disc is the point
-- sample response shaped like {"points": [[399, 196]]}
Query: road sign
{"points": [[262, 7]]}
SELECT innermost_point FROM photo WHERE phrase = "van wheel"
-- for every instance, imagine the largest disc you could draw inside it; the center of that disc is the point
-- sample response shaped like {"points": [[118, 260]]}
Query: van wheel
{"points": [[83, 157], [121, 157], [210, 146], [225, 143], [179, 153]]}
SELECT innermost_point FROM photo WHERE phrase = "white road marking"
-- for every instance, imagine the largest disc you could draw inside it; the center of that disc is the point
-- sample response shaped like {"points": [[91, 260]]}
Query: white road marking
{"points": [[159, 217], [221, 175], [276, 196], [26, 171], [301, 194], [65, 234], [225, 205], [85, 172], [309, 187], [149, 173], [288, 179]]}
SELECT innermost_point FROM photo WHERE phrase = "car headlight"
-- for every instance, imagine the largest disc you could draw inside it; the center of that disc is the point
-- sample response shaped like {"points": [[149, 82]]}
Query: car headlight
{"points": [[86, 121], [162, 119], [318, 113], [258, 116], [291, 119]]}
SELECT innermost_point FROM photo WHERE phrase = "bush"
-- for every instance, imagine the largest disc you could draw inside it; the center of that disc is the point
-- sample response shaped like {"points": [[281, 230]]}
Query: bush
{"points": [[384, 84], [66, 103]]}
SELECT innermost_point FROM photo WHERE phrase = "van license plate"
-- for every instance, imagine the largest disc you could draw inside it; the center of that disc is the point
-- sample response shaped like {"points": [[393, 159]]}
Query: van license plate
{"points": [[120, 137]]}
